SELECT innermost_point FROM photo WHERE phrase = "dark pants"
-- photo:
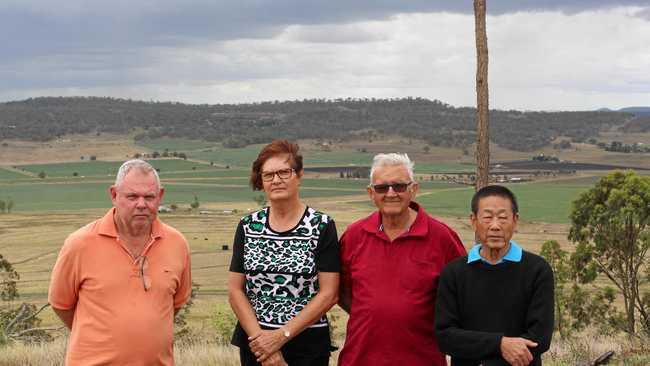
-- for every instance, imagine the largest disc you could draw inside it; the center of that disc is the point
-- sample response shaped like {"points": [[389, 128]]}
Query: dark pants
{"points": [[311, 347], [247, 358]]}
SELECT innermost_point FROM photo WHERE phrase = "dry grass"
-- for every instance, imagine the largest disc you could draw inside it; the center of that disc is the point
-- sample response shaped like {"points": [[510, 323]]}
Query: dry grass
{"points": [[68, 148], [205, 353], [590, 344], [45, 354], [32, 241], [33, 253], [52, 354], [586, 346]]}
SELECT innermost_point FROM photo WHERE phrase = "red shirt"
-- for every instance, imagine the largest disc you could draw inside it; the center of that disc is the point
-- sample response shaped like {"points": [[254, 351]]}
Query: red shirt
{"points": [[394, 290]]}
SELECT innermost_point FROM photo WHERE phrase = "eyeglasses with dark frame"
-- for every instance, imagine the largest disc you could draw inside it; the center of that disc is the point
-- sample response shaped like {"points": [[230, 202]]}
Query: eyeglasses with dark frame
{"points": [[144, 266], [282, 174], [384, 187]]}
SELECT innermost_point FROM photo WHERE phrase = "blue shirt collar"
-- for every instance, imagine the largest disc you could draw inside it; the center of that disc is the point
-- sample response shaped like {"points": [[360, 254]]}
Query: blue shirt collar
{"points": [[513, 254]]}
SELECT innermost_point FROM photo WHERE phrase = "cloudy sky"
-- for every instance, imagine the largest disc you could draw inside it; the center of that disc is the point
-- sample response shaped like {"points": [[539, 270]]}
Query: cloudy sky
{"points": [[544, 54]]}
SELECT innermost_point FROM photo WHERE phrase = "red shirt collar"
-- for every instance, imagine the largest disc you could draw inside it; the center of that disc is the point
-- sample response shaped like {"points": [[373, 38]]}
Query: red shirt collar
{"points": [[418, 228], [107, 226]]}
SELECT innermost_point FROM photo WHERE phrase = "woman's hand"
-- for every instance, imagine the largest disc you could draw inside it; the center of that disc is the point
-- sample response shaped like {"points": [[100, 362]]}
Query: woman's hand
{"points": [[275, 359], [266, 343]]}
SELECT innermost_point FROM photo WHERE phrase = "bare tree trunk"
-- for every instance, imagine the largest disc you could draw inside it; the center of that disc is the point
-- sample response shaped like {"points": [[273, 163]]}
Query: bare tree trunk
{"points": [[482, 108]]}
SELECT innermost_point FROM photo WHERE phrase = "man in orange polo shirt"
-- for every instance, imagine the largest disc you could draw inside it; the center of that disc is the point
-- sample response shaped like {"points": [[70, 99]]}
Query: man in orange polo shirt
{"points": [[118, 281]]}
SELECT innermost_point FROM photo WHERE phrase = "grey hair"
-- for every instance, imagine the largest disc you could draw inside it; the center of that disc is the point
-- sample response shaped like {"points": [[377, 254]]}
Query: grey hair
{"points": [[138, 164], [392, 159]]}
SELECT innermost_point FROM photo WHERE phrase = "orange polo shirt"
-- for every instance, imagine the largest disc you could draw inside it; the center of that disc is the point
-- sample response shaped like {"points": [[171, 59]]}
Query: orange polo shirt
{"points": [[117, 322]]}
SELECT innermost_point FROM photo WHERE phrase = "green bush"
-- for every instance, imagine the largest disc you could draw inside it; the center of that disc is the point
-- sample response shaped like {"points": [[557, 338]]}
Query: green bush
{"points": [[224, 322]]}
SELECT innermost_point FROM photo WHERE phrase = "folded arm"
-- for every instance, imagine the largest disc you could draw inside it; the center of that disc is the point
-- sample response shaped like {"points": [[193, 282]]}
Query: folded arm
{"points": [[267, 342]]}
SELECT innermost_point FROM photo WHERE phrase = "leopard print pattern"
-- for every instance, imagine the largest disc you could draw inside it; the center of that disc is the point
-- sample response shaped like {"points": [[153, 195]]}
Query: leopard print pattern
{"points": [[281, 274]]}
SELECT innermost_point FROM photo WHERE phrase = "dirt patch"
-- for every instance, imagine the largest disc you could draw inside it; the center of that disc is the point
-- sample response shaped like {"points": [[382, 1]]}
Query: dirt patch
{"points": [[68, 148], [561, 166]]}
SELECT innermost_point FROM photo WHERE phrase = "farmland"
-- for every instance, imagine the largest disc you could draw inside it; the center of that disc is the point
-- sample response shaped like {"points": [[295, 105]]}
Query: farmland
{"points": [[82, 185], [73, 193]]}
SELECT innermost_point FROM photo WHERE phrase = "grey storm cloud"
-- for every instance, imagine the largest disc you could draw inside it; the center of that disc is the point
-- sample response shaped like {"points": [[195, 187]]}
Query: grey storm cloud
{"points": [[84, 44], [41, 27]]}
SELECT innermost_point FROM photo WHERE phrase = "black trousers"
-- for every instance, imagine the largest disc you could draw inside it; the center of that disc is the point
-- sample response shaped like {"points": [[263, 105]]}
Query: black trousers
{"points": [[247, 358], [310, 348]]}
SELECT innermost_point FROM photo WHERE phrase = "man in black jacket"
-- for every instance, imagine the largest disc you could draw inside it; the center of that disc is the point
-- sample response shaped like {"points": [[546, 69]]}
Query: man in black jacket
{"points": [[495, 305]]}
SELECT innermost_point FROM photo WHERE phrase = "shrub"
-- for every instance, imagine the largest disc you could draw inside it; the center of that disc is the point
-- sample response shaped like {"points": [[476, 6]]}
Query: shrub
{"points": [[224, 322]]}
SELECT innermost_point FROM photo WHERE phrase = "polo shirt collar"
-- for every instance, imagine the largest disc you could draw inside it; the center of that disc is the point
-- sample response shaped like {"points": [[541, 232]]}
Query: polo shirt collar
{"points": [[107, 226], [513, 254], [418, 228]]}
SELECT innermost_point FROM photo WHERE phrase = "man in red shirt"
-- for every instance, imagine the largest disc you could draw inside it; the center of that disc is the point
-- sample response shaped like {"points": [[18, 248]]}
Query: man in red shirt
{"points": [[391, 261]]}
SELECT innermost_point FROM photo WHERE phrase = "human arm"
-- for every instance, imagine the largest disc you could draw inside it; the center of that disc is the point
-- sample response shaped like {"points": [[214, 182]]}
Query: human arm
{"points": [[540, 314], [267, 342], [66, 316], [345, 283], [520, 351], [345, 294], [240, 304], [452, 338], [237, 298], [63, 291], [328, 266], [516, 350], [184, 290], [275, 359], [246, 315]]}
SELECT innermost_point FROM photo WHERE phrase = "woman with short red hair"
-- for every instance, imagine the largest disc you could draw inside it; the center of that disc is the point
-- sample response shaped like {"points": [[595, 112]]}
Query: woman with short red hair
{"points": [[284, 272]]}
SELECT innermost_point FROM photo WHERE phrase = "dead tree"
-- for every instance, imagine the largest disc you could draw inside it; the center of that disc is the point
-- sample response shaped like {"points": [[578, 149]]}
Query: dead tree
{"points": [[482, 107]]}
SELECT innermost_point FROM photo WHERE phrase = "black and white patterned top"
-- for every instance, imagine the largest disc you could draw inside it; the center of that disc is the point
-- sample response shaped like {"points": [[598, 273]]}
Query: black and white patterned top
{"points": [[282, 268]]}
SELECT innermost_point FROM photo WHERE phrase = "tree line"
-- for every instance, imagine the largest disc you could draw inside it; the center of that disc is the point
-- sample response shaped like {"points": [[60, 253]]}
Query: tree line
{"points": [[238, 125]]}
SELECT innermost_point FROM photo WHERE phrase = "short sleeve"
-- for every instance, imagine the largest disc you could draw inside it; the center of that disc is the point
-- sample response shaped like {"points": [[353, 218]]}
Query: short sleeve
{"points": [[237, 260], [346, 256], [455, 246], [327, 250], [64, 282], [184, 291]]}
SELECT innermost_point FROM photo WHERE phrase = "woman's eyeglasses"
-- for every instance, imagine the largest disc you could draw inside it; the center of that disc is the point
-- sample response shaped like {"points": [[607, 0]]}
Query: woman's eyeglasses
{"points": [[397, 187], [282, 174]]}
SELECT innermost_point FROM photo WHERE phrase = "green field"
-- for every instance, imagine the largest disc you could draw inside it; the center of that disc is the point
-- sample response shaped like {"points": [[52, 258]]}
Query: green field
{"points": [[109, 168], [73, 196], [540, 202], [427, 168], [6, 174], [86, 168], [243, 157], [183, 179], [335, 183], [212, 173], [544, 201], [175, 144]]}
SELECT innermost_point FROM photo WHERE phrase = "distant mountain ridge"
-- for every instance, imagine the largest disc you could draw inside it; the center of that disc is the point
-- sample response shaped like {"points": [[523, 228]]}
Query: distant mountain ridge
{"points": [[235, 125], [638, 111]]}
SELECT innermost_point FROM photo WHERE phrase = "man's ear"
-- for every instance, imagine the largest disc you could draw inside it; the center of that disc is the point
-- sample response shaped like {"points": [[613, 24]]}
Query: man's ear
{"points": [[112, 192], [472, 221], [415, 187]]}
